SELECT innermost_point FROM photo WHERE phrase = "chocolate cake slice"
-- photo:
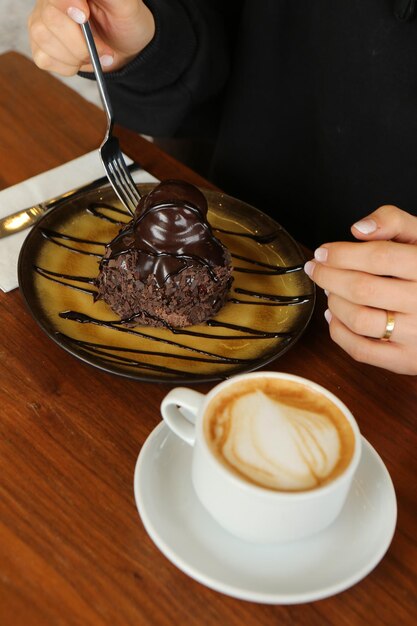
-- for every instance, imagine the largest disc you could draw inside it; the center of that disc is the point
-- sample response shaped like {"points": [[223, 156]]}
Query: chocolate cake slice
{"points": [[165, 267]]}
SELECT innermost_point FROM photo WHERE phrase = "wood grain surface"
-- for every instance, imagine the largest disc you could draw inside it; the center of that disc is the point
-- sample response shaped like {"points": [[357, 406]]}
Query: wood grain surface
{"points": [[73, 549]]}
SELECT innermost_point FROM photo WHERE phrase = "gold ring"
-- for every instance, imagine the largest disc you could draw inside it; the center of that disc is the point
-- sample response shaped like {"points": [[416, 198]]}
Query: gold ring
{"points": [[389, 326]]}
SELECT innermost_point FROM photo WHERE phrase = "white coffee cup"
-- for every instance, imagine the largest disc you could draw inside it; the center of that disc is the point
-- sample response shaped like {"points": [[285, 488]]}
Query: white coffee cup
{"points": [[249, 510]]}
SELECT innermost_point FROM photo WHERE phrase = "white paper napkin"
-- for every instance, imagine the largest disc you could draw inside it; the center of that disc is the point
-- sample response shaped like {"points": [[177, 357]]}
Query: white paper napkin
{"points": [[71, 175]]}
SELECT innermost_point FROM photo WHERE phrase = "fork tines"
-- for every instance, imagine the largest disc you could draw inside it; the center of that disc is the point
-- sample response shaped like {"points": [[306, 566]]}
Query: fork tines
{"points": [[119, 175]]}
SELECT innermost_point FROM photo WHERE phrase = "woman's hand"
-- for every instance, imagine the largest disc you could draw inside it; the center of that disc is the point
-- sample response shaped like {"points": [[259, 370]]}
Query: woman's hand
{"points": [[364, 281], [121, 30]]}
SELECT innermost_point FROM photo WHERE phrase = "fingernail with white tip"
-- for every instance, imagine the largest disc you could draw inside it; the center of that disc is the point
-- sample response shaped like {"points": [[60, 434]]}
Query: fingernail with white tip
{"points": [[321, 255], [366, 226], [328, 316], [106, 60], [77, 15], [309, 268]]}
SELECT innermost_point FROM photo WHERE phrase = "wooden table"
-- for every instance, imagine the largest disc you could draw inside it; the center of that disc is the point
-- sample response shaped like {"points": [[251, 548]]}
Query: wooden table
{"points": [[72, 546]]}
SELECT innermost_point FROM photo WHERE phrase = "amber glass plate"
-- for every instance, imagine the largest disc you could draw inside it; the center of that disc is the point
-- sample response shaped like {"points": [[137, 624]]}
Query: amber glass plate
{"points": [[269, 306]]}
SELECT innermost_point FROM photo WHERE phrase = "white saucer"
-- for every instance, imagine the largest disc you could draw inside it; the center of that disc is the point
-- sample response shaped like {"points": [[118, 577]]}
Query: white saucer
{"points": [[313, 568]]}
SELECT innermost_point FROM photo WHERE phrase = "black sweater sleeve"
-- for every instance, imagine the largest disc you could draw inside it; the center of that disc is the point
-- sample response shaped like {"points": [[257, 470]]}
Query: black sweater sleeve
{"points": [[174, 86]]}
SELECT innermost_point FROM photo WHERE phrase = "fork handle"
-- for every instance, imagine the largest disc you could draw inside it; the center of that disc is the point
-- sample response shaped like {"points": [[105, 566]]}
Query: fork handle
{"points": [[98, 72]]}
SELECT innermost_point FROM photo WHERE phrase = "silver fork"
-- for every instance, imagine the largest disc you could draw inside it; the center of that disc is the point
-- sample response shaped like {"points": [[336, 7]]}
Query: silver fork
{"points": [[110, 153]]}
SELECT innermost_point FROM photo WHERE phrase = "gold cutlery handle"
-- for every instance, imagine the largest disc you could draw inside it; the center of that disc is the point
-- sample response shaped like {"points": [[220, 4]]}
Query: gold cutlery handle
{"points": [[25, 218], [21, 220]]}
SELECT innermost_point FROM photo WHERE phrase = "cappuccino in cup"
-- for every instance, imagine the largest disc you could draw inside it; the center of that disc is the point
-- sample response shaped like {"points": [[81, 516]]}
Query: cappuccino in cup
{"points": [[278, 434], [274, 455]]}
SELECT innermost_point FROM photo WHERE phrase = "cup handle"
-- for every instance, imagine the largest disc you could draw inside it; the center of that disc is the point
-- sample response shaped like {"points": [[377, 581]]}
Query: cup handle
{"points": [[180, 409]]}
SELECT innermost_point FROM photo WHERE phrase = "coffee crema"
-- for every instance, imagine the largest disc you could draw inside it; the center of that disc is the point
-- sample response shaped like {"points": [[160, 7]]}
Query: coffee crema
{"points": [[279, 434]]}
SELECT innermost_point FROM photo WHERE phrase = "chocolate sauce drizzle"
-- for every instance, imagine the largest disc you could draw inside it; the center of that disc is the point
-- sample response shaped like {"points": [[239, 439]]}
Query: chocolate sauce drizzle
{"points": [[261, 238], [212, 358], [96, 209], [252, 333], [277, 269], [127, 358], [106, 354], [57, 238], [276, 300], [55, 276]]}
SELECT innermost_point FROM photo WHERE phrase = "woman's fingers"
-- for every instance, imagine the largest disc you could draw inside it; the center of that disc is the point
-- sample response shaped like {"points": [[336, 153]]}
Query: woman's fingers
{"points": [[59, 27], [361, 320], [390, 355], [383, 258], [366, 280], [46, 62], [57, 42], [387, 222], [48, 47], [121, 30], [377, 274], [370, 322], [366, 289]]}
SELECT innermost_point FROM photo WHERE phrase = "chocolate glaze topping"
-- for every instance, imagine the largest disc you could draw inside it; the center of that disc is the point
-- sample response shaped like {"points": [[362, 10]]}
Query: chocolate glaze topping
{"points": [[170, 232]]}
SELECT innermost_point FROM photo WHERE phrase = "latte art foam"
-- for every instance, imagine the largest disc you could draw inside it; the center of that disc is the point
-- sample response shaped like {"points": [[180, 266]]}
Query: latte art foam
{"points": [[284, 442]]}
